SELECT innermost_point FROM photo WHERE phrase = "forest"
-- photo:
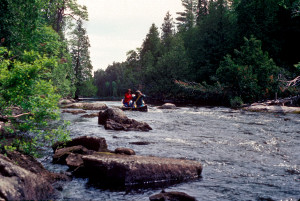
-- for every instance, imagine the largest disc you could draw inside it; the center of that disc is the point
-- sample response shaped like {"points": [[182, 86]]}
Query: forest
{"points": [[216, 52], [44, 56]]}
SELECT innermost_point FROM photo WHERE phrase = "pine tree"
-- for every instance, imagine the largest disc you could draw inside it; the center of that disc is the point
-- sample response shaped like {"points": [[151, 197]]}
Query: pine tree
{"points": [[167, 31], [80, 56]]}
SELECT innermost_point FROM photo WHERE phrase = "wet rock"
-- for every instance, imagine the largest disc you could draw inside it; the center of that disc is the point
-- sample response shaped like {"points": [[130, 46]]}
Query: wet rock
{"points": [[18, 183], [272, 108], [90, 115], [87, 106], [115, 119], [123, 150], [66, 101], [74, 161], [91, 143], [60, 155], [172, 196], [118, 170], [167, 106], [74, 111], [31, 164], [140, 143]]}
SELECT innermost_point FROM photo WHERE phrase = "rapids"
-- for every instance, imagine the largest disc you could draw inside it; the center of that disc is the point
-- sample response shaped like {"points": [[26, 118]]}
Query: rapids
{"points": [[245, 155]]}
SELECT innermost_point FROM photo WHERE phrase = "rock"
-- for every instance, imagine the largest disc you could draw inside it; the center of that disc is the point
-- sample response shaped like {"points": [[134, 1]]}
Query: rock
{"points": [[31, 164], [126, 151], [167, 106], [115, 119], [74, 111], [140, 143], [60, 155], [172, 196], [74, 161], [111, 113], [272, 108], [90, 115], [66, 101], [91, 143], [18, 183], [87, 106], [116, 170]]}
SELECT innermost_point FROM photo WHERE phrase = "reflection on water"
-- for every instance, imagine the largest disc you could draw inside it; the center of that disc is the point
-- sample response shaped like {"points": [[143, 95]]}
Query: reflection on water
{"points": [[246, 156]]}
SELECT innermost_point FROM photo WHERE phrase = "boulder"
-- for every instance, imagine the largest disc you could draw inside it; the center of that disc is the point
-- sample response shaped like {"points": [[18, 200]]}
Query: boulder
{"points": [[31, 164], [87, 106], [167, 106], [66, 101], [174, 196], [123, 150], [60, 155], [115, 119], [18, 183], [117, 170], [91, 143]]}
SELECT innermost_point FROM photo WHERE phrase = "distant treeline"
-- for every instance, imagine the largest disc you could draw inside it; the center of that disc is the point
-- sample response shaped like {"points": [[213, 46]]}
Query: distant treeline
{"points": [[220, 52]]}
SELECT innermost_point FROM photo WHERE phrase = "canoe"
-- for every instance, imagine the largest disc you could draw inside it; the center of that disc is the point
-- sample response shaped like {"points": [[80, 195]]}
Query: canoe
{"points": [[141, 109]]}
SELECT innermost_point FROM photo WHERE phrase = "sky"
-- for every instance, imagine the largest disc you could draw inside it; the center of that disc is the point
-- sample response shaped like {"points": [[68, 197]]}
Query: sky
{"points": [[117, 26]]}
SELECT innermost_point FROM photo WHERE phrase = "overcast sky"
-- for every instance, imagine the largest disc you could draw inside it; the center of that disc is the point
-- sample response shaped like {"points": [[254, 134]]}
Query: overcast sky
{"points": [[117, 26]]}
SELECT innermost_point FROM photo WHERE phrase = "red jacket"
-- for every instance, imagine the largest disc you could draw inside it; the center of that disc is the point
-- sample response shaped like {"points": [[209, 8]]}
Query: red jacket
{"points": [[128, 97]]}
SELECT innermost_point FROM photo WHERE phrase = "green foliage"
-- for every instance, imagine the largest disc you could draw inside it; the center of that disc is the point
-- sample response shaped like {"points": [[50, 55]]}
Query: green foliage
{"points": [[236, 102], [250, 74]]}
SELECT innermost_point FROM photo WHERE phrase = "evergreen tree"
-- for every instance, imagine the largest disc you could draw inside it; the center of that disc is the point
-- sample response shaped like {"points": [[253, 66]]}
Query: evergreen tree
{"points": [[80, 57], [202, 10], [187, 19], [167, 30], [250, 73], [151, 43]]}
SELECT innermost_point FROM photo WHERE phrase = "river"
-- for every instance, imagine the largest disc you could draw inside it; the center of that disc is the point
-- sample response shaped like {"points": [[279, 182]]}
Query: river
{"points": [[245, 155]]}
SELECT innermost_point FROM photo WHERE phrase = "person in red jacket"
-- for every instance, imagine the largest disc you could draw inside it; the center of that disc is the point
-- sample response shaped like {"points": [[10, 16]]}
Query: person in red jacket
{"points": [[127, 101]]}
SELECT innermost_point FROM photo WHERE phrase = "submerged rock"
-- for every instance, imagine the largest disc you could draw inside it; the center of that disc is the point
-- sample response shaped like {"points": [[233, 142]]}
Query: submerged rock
{"points": [[115, 119], [172, 196]]}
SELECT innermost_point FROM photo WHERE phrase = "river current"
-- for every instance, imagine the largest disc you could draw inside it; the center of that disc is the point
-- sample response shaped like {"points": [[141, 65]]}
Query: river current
{"points": [[245, 155]]}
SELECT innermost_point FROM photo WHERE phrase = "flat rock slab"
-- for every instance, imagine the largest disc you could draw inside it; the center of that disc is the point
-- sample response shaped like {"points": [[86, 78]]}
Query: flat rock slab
{"points": [[87, 106], [117, 170], [274, 108]]}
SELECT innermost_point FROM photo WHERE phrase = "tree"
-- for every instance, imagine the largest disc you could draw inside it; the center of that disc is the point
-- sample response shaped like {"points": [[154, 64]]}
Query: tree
{"points": [[187, 19], [167, 30], [202, 10], [250, 73], [151, 43], [58, 12], [26, 87], [80, 56]]}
